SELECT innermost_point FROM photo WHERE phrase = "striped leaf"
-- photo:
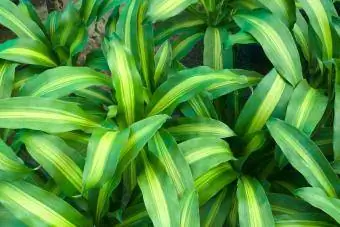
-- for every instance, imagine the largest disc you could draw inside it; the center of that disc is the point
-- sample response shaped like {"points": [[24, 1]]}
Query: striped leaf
{"points": [[214, 180], [135, 215], [159, 193], [213, 47], [189, 209], [61, 162], [62, 81], [319, 199], [267, 100], [31, 52], [199, 106], [11, 166], [184, 22], [215, 212], [188, 128], [89, 9], [7, 71], [126, 81], [28, 8], [306, 108], [111, 24], [184, 44], [97, 60], [8, 219], [164, 146], [276, 41], [336, 124], [21, 24], [253, 206], [284, 9], [51, 23], [161, 10], [108, 5], [319, 15], [187, 83], [43, 114], [304, 155], [37, 207], [301, 34], [304, 219], [204, 153], [102, 156], [163, 60], [95, 95]]}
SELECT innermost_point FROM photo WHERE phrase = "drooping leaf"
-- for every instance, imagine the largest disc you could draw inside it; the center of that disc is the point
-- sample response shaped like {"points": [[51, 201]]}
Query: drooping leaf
{"points": [[188, 128], [204, 153], [159, 193], [43, 114], [253, 206], [102, 156], [61, 162], [304, 219], [37, 207], [7, 71], [199, 106], [164, 146], [276, 41], [305, 156]]}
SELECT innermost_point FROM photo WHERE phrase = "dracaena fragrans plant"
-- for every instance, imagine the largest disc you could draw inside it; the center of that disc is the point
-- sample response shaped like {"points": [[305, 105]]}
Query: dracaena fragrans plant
{"points": [[131, 137]]}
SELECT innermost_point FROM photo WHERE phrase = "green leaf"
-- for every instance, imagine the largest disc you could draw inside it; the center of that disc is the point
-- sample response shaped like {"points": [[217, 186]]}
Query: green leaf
{"points": [[7, 71], [127, 81], [213, 47], [31, 52], [276, 41], [253, 206], [199, 106], [11, 166], [108, 5], [301, 34], [214, 180], [111, 24], [336, 124], [163, 60], [28, 8], [62, 81], [184, 44], [61, 162], [89, 9], [319, 15], [159, 193], [319, 199], [263, 103], [284, 9], [161, 10], [37, 207], [135, 215], [204, 153], [187, 83], [215, 212], [305, 156], [189, 209], [95, 95], [51, 23], [97, 60], [43, 114], [102, 156], [22, 25], [164, 146], [188, 128], [304, 219]]}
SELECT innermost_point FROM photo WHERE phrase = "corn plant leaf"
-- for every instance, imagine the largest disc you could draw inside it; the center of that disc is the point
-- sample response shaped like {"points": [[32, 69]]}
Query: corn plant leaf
{"points": [[164, 146], [51, 23], [89, 9], [306, 108], [12, 167], [184, 44], [28, 8], [161, 10], [215, 212], [336, 24], [199, 106], [214, 180], [43, 114], [304, 219], [213, 47], [37, 207], [301, 34], [62, 81], [319, 199], [61, 162], [204, 153], [111, 25], [159, 193], [108, 5], [276, 41], [319, 14], [8, 219], [253, 206], [188, 128], [7, 71], [127, 81], [96, 95], [21, 24], [96, 60], [102, 156], [184, 22], [134, 216], [284, 9], [31, 52], [336, 125], [187, 83], [189, 209], [305, 156], [264, 102], [163, 60]]}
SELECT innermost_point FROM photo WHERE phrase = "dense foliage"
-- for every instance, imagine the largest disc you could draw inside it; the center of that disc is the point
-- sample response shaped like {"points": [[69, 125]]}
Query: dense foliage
{"points": [[131, 137]]}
